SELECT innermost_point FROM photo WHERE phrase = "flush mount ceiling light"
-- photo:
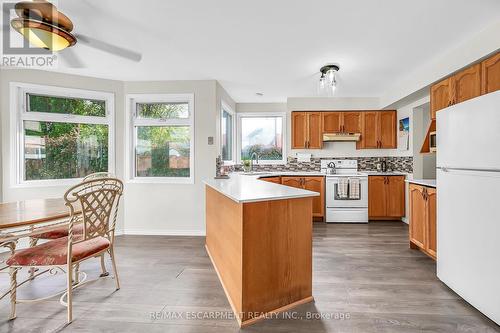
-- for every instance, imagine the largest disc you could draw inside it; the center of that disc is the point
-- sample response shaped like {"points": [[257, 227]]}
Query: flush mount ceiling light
{"points": [[43, 26], [328, 80]]}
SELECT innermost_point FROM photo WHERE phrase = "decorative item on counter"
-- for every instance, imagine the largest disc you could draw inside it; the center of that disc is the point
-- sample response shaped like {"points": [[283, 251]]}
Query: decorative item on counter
{"points": [[220, 169], [303, 157], [247, 165]]}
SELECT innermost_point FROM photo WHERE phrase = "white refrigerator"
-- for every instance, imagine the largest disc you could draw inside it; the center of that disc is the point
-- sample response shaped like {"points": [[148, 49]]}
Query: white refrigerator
{"points": [[468, 201]]}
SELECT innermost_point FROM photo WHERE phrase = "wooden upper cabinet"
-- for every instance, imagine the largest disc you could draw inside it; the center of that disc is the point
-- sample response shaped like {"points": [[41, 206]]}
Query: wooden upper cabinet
{"points": [[332, 122], [396, 196], [431, 232], [441, 96], [316, 184], [306, 130], [314, 133], [369, 132], [490, 70], [299, 130], [418, 209], [387, 129], [377, 196], [378, 130], [351, 122], [467, 84]]}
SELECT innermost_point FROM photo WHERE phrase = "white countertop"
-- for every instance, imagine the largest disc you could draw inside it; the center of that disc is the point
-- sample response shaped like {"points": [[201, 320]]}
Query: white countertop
{"points": [[248, 188], [387, 173], [424, 182]]}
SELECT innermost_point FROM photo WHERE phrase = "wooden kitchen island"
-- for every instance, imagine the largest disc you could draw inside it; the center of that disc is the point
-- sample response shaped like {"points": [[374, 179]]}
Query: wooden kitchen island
{"points": [[259, 238]]}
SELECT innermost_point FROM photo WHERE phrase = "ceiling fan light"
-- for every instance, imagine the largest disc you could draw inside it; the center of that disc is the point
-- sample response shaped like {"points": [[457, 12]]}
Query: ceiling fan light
{"points": [[41, 34]]}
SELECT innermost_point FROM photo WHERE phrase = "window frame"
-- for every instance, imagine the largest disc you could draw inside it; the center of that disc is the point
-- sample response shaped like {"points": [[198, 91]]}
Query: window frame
{"points": [[133, 122], [19, 113], [241, 115], [224, 107]]}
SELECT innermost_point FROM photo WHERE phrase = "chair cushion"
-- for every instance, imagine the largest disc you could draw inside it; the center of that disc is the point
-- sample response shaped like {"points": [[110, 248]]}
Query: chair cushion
{"points": [[54, 252], [59, 232]]}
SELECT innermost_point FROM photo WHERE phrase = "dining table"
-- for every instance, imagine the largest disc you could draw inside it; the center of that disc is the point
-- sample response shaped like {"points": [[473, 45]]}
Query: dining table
{"points": [[24, 218]]}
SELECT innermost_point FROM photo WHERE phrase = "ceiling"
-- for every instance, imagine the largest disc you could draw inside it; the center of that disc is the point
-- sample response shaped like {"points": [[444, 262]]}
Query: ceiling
{"points": [[274, 47]]}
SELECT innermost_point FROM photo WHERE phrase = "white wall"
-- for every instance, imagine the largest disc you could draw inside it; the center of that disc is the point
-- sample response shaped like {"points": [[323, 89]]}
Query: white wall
{"points": [[147, 208], [444, 64]]}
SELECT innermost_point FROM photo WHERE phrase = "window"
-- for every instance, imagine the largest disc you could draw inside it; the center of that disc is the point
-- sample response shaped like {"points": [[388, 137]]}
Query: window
{"points": [[162, 138], [61, 134], [264, 135], [227, 134]]}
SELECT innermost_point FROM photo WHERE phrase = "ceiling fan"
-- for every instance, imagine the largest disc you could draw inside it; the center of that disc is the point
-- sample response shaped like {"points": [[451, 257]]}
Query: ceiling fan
{"points": [[44, 26]]}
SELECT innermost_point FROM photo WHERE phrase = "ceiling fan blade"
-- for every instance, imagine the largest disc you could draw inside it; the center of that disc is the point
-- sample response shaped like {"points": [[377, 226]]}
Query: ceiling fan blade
{"points": [[70, 58], [109, 48]]}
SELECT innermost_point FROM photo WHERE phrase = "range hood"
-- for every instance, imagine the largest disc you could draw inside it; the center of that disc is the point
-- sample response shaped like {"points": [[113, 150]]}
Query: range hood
{"points": [[329, 137]]}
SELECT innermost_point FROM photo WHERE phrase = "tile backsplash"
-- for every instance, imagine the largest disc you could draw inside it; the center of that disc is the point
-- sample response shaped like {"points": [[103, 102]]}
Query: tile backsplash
{"points": [[401, 164]]}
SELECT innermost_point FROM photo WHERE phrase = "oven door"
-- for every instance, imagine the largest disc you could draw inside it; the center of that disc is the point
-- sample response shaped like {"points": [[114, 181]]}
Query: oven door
{"points": [[332, 197]]}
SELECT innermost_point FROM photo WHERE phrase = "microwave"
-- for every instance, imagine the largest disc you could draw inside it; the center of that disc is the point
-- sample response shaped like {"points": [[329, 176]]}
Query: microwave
{"points": [[432, 142]]}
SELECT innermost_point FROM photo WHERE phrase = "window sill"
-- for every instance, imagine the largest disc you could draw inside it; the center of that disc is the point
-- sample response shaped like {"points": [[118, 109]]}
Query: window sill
{"points": [[47, 183], [229, 163], [160, 180]]}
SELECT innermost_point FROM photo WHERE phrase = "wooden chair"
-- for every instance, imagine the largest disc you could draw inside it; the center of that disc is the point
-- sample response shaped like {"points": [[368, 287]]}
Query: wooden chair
{"points": [[77, 228], [96, 203]]}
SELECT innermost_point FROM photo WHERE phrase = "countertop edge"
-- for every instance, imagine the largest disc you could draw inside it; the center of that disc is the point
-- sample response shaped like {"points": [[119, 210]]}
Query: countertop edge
{"points": [[423, 182]]}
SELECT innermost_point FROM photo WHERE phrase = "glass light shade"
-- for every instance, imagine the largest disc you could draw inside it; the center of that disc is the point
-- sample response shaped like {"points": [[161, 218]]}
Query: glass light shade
{"points": [[43, 35], [44, 39], [331, 75], [321, 85]]}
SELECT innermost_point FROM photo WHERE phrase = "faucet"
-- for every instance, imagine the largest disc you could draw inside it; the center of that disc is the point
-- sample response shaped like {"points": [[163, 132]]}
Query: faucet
{"points": [[252, 158]]}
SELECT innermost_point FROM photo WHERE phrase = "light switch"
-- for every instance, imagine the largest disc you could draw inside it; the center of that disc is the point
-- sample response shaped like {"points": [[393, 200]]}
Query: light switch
{"points": [[210, 140]]}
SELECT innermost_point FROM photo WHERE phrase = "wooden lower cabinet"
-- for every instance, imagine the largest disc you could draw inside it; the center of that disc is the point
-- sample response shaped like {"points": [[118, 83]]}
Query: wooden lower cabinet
{"points": [[423, 213], [386, 197], [315, 184], [276, 180]]}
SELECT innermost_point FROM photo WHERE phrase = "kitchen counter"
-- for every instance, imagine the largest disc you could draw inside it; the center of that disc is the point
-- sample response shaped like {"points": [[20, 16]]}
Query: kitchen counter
{"points": [[387, 173], [259, 239], [248, 188], [423, 182]]}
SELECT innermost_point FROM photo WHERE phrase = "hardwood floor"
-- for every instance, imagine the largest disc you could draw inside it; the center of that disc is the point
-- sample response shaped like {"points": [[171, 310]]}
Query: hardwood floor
{"points": [[365, 280]]}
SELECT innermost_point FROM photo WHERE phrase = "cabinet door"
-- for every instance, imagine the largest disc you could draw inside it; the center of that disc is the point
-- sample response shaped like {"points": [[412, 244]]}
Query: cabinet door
{"points": [[292, 181], [316, 184], [276, 180], [417, 215], [377, 196], [299, 130], [431, 233], [387, 129], [490, 72], [395, 196], [369, 136], [441, 96], [314, 134], [467, 84], [351, 122], [332, 122]]}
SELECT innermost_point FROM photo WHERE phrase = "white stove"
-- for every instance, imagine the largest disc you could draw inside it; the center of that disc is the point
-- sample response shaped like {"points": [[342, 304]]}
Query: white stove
{"points": [[344, 203]]}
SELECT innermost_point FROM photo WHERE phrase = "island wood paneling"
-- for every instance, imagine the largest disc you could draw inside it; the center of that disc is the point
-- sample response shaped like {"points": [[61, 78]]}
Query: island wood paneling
{"points": [[262, 252], [224, 243]]}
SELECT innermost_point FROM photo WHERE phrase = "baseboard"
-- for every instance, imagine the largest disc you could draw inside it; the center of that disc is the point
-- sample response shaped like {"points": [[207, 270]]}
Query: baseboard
{"points": [[162, 232]]}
